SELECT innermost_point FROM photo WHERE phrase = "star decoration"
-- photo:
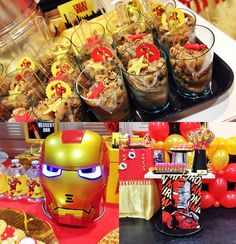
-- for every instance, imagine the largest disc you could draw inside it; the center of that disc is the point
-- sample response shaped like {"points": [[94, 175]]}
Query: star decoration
{"points": [[137, 66], [14, 93], [53, 107], [94, 65], [60, 52]]}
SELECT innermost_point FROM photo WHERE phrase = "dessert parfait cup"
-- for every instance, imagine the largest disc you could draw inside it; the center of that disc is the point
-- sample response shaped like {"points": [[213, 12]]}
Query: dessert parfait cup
{"points": [[118, 20], [27, 81], [51, 52], [15, 108], [87, 34], [177, 31], [192, 64], [152, 11], [150, 87], [68, 109], [132, 36], [104, 92]]}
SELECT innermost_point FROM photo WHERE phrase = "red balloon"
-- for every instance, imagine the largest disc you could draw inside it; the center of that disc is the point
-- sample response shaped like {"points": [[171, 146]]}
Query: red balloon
{"points": [[229, 199], [216, 204], [159, 130], [230, 172], [218, 187], [207, 200], [218, 173], [187, 126]]}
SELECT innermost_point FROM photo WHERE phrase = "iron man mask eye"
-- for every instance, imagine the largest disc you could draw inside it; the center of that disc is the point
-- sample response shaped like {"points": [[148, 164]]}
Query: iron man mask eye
{"points": [[90, 173], [51, 171]]}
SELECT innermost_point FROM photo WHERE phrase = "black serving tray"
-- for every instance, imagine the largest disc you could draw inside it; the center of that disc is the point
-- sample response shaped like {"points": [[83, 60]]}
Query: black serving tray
{"points": [[179, 106]]}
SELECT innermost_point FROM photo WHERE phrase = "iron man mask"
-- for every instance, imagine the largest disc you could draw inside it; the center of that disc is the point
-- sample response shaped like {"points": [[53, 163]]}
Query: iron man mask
{"points": [[73, 176]]}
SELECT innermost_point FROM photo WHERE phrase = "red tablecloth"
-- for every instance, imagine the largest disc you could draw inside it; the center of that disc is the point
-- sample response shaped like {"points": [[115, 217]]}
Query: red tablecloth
{"points": [[69, 235]]}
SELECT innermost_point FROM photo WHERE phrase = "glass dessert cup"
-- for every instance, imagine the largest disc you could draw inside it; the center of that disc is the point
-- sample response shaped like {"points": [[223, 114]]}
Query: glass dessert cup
{"points": [[68, 109], [177, 32], [192, 64], [132, 36], [26, 81], [15, 108], [49, 53], [117, 21], [87, 34], [152, 11], [150, 86], [102, 89]]}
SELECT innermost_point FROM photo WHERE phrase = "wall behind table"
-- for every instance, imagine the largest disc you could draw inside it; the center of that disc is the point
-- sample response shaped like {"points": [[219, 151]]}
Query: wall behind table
{"points": [[12, 139]]}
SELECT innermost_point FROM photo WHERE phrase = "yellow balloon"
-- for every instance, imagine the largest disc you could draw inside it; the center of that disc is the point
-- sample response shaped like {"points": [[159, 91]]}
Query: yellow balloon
{"points": [[230, 145], [220, 159], [221, 143], [174, 140], [212, 148], [167, 157], [159, 145]]}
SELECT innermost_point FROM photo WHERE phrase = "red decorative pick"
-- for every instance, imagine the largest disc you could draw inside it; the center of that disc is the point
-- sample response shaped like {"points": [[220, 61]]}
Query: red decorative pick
{"points": [[96, 91], [24, 118], [59, 89], [137, 36], [8, 233], [100, 54], [149, 51], [92, 41], [159, 11], [197, 47]]}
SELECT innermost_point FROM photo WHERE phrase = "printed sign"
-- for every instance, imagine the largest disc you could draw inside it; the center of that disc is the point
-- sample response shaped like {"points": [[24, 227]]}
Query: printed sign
{"points": [[76, 10], [181, 199], [40, 130]]}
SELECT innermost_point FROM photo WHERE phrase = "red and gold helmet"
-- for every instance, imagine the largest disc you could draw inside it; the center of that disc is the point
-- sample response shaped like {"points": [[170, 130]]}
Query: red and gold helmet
{"points": [[73, 167]]}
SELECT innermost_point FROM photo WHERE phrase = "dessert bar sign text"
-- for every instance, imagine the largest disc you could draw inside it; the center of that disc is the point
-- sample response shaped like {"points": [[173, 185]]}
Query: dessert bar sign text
{"points": [[78, 9]]}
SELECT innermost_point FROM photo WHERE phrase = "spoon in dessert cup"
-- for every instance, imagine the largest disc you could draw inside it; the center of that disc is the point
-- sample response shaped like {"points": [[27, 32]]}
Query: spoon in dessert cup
{"points": [[122, 13], [30, 52], [44, 30], [100, 6], [71, 16]]}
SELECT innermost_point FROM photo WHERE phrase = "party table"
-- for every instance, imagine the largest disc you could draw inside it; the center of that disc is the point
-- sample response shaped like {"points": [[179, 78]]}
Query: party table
{"points": [[68, 235], [181, 203]]}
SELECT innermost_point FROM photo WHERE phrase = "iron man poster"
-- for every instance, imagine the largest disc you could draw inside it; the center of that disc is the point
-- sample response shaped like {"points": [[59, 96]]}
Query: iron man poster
{"points": [[181, 199]]}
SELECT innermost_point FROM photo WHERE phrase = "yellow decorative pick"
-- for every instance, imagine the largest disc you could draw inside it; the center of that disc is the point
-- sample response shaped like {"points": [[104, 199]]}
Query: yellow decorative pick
{"points": [[53, 107], [96, 66], [14, 93], [59, 68], [58, 88], [26, 62], [137, 66], [173, 17]]}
